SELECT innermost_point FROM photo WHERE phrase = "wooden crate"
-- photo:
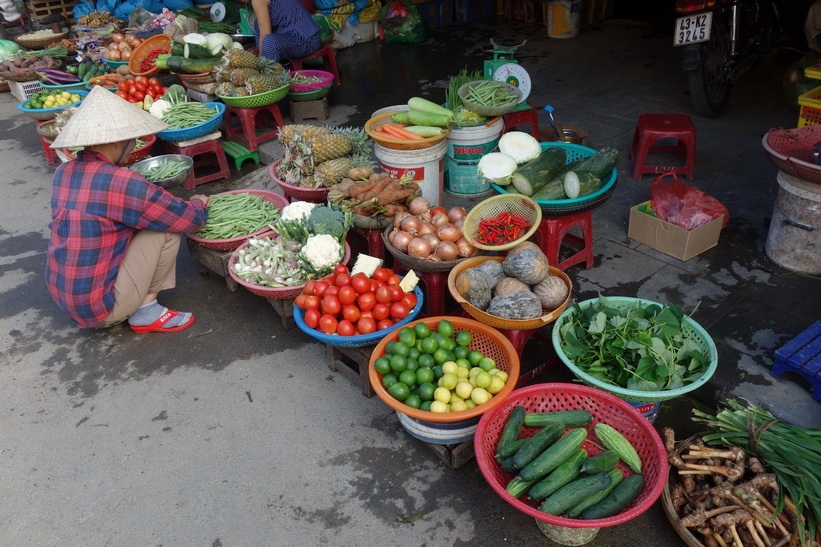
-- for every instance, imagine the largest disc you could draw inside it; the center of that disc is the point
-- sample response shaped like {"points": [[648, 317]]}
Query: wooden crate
{"points": [[285, 310], [40, 8], [211, 260], [453, 455], [352, 363]]}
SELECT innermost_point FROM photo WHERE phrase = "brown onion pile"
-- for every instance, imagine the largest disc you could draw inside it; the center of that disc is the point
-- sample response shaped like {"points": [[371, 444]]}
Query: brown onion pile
{"points": [[427, 236]]}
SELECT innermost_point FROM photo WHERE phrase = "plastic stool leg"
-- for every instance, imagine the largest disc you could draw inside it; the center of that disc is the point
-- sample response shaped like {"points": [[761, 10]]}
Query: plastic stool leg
{"points": [[435, 293]]}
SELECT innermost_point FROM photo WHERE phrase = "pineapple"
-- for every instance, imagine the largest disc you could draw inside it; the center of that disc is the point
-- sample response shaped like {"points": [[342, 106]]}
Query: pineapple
{"points": [[240, 76], [298, 161], [260, 84], [361, 143], [332, 171], [240, 92], [239, 58], [363, 160], [310, 132], [329, 147], [223, 74], [226, 89]]}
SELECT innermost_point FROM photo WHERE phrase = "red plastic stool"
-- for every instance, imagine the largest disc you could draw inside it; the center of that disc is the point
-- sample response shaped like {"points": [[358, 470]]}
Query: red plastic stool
{"points": [[50, 154], [653, 127], [246, 133], [214, 149], [524, 116], [328, 57], [436, 287], [554, 230]]}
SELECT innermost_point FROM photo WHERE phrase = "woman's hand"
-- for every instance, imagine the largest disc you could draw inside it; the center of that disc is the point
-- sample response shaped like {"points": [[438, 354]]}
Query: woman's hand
{"points": [[204, 199]]}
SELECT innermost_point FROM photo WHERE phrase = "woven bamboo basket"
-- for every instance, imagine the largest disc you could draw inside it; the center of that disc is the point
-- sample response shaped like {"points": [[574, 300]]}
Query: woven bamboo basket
{"points": [[39, 43], [418, 264]]}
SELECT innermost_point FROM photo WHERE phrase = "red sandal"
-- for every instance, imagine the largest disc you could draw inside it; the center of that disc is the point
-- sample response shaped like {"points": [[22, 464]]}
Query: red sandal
{"points": [[157, 326]]}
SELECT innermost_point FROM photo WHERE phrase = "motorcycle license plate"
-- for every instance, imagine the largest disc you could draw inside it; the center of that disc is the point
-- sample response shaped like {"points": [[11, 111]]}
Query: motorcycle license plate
{"points": [[693, 29]]}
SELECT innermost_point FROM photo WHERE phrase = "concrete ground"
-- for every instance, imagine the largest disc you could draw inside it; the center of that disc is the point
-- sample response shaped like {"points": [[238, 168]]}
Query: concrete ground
{"points": [[235, 432]]}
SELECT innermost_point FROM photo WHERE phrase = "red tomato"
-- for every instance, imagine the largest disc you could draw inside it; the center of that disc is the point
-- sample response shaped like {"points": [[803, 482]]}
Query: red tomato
{"points": [[384, 324], [340, 269], [138, 96], [366, 314], [312, 302], [410, 300], [366, 325], [343, 279], [122, 86], [141, 80], [374, 285], [396, 292], [383, 294], [382, 274], [351, 313], [333, 290], [122, 94], [327, 324], [345, 328], [309, 287], [381, 311], [394, 280], [346, 295], [330, 304], [156, 90], [312, 318], [436, 210], [299, 301], [141, 86], [361, 284], [154, 81], [399, 310], [366, 301], [319, 288], [329, 279], [164, 90]]}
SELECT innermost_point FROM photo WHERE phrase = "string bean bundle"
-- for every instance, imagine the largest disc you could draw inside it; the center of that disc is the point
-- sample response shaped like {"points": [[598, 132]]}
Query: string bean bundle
{"points": [[165, 170], [491, 93], [182, 115], [237, 215]]}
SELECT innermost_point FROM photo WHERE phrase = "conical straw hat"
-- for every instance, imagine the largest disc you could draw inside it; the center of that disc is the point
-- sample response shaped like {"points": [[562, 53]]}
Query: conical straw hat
{"points": [[102, 118]]}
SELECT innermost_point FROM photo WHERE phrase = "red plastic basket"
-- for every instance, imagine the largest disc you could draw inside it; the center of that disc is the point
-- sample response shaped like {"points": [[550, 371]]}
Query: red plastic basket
{"points": [[604, 408], [791, 151], [138, 154], [233, 243], [159, 41], [328, 80], [312, 195]]}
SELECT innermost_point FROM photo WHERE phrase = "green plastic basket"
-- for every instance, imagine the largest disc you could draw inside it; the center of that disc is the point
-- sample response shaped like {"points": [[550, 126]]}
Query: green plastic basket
{"points": [[310, 95], [691, 329], [260, 99]]}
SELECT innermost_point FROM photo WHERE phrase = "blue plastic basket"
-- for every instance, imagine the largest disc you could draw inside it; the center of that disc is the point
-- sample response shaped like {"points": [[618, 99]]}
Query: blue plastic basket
{"points": [[574, 152], [361, 339], [49, 113], [175, 135]]}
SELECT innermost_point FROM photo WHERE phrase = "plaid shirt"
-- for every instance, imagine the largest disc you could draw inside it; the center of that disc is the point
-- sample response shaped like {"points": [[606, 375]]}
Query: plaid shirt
{"points": [[96, 208]]}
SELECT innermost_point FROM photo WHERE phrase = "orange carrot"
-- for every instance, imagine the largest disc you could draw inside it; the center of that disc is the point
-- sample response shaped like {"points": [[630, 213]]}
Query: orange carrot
{"points": [[401, 132], [383, 135]]}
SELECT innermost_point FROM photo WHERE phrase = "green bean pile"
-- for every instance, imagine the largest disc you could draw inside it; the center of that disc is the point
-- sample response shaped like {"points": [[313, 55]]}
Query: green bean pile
{"points": [[491, 93], [182, 115], [237, 215], [165, 170]]}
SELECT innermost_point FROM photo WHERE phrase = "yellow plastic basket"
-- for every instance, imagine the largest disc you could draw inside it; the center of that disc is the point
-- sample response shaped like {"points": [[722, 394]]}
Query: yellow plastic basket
{"points": [[398, 144], [516, 204], [810, 107]]}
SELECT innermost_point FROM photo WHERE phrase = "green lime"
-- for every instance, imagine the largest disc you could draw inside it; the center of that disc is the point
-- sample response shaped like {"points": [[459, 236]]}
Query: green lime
{"points": [[437, 371], [413, 364], [441, 339], [461, 352], [450, 356], [424, 375], [399, 391], [463, 363], [441, 356], [486, 363], [389, 379], [425, 391], [382, 365], [426, 360], [407, 336], [422, 330], [425, 406], [389, 346], [401, 348], [398, 363], [413, 401], [474, 356], [445, 327], [451, 344], [464, 338], [414, 353], [429, 345], [407, 377]]}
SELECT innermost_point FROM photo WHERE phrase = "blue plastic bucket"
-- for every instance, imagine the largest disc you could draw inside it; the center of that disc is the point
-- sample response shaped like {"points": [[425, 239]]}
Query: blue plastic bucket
{"points": [[466, 146], [648, 410]]}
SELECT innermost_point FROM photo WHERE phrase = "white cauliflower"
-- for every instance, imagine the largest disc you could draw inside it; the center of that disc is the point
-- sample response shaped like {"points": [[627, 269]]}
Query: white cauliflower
{"points": [[298, 210], [159, 108], [323, 252]]}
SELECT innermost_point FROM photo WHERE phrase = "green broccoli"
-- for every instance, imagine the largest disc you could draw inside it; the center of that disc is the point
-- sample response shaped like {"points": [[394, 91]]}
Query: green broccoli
{"points": [[327, 220]]}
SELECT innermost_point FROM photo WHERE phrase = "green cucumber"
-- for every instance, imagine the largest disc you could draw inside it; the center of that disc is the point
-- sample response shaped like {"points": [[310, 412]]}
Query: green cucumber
{"points": [[190, 51], [512, 428], [425, 130], [601, 163], [424, 105], [604, 461], [554, 189], [568, 418], [418, 117], [538, 443], [539, 170], [566, 472], [508, 466], [551, 458], [619, 498], [81, 71], [187, 66], [509, 450], [580, 183], [614, 440], [574, 512], [401, 117], [516, 487], [573, 493]]}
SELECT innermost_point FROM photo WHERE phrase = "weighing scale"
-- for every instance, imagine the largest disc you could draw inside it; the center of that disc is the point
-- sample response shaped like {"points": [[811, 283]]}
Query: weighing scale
{"points": [[504, 68], [230, 12]]}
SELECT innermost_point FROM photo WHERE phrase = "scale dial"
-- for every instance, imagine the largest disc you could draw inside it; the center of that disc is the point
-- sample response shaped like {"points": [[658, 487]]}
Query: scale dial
{"points": [[515, 75], [218, 12]]}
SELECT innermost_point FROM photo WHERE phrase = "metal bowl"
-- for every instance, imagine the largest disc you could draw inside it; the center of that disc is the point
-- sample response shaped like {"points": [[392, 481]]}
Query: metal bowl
{"points": [[244, 39], [171, 182]]}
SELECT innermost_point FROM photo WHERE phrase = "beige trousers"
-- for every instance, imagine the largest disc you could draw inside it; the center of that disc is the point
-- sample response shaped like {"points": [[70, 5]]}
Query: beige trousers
{"points": [[149, 266]]}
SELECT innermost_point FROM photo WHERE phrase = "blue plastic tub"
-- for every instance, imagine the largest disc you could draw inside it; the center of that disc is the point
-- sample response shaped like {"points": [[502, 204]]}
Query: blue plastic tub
{"points": [[49, 113], [175, 135]]}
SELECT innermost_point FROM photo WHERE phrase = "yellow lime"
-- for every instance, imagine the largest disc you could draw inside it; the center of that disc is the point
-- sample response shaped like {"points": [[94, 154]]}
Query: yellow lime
{"points": [[463, 389], [65, 95], [462, 372], [503, 375], [438, 407], [449, 366], [455, 399], [474, 371], [483, 380], [442, 394], [449, 380], [459, 406], [496, 384], [463, 363], [480, 396], [470, 404]]}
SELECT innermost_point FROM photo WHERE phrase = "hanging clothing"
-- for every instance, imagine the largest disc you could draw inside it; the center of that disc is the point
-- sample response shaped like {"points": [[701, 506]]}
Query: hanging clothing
{"points": [[294, 33]]}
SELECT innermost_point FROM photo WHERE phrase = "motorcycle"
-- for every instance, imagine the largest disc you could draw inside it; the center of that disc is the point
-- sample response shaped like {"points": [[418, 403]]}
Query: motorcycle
{"points": [[722, 40]]}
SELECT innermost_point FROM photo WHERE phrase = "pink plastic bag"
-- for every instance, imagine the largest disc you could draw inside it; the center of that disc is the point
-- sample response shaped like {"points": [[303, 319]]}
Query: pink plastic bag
{"points": [[684, 205]]}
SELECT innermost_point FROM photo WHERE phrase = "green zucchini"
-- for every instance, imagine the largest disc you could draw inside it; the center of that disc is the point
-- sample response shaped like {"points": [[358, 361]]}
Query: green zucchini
{"points": [[186, 66], [538, 443], [568, 418], [512, 428], [554, 189], [401, 117], [424, 105], [570, 494], [604, 461], [601, 163], [543, 168], [509, 450], [574, 512], [418, 117], [516, 487], [580, 183], [190, 51], [566, 472], [551, 458], [619, 498]]}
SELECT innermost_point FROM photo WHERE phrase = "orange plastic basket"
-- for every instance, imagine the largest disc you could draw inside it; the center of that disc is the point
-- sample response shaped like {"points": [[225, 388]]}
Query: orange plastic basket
{"points": [[159, 41], [488, 340], [605, 408], [500, 322], [398, 144]]}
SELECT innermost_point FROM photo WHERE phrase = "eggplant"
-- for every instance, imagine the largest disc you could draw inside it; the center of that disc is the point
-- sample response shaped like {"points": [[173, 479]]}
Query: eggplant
{"points": [[55, 76]]}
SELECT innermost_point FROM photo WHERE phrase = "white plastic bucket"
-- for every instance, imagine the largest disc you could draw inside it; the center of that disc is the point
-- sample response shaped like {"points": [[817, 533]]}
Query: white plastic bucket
{"points": [[386, 109], [794, 239], [426, 167], [466, 146], [440, 432], [564, 18]]}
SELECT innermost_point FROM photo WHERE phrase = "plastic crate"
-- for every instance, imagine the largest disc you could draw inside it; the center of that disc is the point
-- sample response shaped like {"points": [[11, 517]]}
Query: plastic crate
{"points": [[24, 90], [435, 13], [802, 355], [469, 11], [810, 108]]}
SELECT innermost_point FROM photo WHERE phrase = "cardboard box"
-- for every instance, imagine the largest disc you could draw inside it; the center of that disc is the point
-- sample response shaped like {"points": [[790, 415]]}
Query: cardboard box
{"points": [[669, 238]]}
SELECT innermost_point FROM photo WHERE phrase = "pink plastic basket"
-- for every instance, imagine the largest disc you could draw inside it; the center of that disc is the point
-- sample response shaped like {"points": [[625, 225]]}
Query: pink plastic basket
{"points": [[327, 81], [313, 195], [604, 408], [233, 243]]}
